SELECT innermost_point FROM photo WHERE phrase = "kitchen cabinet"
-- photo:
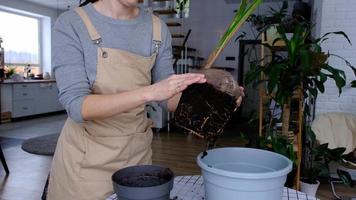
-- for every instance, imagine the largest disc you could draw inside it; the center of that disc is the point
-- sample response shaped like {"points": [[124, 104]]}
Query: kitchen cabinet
{"points": [[29, 98]]}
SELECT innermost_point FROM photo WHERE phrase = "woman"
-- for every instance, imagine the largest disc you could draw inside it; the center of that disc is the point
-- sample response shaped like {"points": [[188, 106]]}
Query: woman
{"points": [[106, 55]]}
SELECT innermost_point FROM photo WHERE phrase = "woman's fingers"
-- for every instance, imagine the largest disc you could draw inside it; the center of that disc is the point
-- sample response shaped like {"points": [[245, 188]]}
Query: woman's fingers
{"points": [[178, 82], [239, 101], [188, 82], [174, 84], [186, 76], [242, 91]]}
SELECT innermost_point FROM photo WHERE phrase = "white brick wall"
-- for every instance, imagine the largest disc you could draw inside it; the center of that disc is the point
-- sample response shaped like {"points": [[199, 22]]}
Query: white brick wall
{"points": [[337, 15]]}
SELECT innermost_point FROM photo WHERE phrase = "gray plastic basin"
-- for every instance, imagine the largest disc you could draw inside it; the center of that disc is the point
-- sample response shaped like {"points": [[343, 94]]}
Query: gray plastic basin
{"points": [[244, 174], [159, 192]]}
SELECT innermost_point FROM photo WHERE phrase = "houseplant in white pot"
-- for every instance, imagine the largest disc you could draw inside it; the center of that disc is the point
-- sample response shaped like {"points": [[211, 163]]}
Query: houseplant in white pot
{"points": [[318, 158]]}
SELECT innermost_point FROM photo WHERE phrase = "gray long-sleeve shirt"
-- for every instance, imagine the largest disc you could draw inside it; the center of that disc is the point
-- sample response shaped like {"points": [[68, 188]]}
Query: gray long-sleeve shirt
{"points": [[74, 57]]}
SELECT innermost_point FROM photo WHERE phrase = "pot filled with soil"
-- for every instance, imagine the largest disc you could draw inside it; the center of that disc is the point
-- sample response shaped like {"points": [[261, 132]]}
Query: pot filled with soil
{"points": [[243, 173], [143, 182]]}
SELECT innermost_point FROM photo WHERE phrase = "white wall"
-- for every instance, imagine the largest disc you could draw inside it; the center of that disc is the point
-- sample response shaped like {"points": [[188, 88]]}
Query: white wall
{"points": [[209, 19], [337, 15], [47, 17]]}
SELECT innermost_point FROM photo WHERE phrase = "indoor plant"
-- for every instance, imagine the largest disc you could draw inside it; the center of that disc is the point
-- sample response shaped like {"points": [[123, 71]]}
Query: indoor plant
{"points": [[282, 145], [318, 158], [9, 71], [303, 67]]}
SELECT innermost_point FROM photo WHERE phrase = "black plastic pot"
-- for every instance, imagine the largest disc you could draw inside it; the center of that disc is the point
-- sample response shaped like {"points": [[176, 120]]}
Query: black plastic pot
{"points": [[143, 182]]}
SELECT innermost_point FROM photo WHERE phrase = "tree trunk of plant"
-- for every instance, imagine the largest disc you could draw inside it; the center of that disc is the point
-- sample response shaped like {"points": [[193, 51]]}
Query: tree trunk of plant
{"points": [[285, 118]]}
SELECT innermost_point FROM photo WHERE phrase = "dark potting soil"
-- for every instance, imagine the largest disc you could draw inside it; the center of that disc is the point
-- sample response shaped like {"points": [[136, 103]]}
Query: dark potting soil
{"points": [[145, 179], [204, 111]]}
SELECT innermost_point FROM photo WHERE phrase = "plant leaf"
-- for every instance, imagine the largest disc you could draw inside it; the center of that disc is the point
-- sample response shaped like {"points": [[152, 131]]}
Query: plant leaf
{"points": [[353, 84], [338, 33], [253, 74], [323, 77], [319, 85], [313, 92], [310, 133]]}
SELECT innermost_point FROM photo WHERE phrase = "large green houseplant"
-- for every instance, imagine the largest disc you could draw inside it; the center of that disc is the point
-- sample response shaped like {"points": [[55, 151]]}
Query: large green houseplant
{"points": [[303, 66]]}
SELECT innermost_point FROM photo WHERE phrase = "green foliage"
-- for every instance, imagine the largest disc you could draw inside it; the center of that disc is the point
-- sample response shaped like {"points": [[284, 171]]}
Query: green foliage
{"points": [[263, 22], [245, 10], [10, 71], [279, 144], [353, 84], [181, 5], [304, 63], [319, 158]]}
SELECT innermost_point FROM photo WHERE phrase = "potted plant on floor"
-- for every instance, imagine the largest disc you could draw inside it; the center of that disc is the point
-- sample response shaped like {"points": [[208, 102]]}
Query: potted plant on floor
{"points": [[318, 158]]}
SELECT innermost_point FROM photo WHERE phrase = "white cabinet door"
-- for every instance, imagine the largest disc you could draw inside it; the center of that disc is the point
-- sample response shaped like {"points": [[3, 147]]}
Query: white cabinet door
{"points": [[47, 98], [22, 108], [23, 100]]}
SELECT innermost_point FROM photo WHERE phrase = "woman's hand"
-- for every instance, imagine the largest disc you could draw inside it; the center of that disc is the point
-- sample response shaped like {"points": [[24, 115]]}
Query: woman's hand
{"points": [[239, 99], [171, 86]]}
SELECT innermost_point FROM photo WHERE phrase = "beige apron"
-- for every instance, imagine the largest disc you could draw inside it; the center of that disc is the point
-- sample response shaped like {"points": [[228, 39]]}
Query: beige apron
{"points": [[88, 153]]}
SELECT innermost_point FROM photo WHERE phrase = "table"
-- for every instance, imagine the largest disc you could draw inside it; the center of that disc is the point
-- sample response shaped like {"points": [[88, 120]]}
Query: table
{"points": [[192, 188]]}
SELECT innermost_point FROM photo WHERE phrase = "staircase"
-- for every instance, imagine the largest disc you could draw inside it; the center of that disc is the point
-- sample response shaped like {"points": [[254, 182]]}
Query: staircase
{"points": [[185, 58]]}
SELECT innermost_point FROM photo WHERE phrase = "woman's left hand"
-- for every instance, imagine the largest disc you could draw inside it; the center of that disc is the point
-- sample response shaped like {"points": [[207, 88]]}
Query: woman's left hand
{"points": [[239, 99]]}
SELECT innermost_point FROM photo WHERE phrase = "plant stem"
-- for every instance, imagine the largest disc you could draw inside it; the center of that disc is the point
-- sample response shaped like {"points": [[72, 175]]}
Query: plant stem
{"points": [[285, 118]]}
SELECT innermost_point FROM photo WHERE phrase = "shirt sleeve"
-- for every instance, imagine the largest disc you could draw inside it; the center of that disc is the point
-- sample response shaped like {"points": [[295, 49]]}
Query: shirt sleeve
{"points": [[69, 69], [163, 67]]}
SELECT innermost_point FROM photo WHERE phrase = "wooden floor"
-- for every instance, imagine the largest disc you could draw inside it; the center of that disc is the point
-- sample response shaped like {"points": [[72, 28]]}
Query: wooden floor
{"points": [[177, 151]]}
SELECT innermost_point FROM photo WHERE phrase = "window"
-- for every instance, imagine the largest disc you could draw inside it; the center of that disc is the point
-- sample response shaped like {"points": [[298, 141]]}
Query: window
{"points": [[21, 40]]}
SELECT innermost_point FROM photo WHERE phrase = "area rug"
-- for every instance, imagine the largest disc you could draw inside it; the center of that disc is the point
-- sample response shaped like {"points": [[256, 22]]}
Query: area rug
{"points": [[43, 145]]}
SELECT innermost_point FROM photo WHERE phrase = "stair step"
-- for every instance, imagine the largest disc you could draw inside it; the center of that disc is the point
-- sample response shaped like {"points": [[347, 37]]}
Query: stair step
{"points": [[165, 12], [178, 48], [189, 56], [177, 36], [173, 24]]}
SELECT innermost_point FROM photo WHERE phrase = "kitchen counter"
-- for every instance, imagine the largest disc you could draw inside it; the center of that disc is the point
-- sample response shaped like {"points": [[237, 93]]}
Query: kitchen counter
{"points": [[28, 81], [29, 97]]}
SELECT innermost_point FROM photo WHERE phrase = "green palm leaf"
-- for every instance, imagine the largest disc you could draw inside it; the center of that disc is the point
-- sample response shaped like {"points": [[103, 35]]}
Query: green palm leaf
{"points": [[241, 16]]}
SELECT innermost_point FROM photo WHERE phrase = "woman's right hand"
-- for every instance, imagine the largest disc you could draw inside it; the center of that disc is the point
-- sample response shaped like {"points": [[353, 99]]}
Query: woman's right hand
{"points": [[173, 85]]}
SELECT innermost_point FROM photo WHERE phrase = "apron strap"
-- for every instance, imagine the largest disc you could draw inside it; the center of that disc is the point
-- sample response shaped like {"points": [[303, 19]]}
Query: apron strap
{"points": [[96, 38], [157, 38], [94, 35]]}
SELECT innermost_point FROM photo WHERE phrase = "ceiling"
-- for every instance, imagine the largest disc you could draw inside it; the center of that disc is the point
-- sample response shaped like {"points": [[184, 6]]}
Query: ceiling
{"points": [[56, 4]]}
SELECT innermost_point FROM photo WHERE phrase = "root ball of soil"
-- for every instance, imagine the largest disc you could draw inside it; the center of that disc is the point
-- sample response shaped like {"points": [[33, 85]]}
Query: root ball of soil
{"points": [[204, 110]]}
